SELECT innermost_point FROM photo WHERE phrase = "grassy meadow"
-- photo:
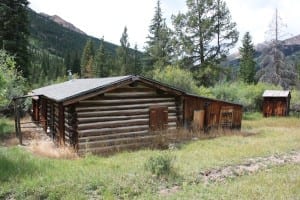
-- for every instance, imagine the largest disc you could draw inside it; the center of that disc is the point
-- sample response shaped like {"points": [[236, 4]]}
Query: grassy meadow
{"points": [[124, 175]]}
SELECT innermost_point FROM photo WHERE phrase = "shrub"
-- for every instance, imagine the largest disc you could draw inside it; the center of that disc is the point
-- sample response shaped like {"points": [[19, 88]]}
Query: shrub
{"points": [[177, 77], [160, 165], [249, 95]]}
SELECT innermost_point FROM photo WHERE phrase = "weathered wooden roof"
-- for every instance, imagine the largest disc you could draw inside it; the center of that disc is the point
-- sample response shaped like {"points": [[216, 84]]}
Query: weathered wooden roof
{"points": [[76, 87], [276, 93]]}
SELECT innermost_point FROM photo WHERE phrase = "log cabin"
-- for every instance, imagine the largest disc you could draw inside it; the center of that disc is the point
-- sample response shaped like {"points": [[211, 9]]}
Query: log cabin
{"points": [[276, 103], [101, 115]]}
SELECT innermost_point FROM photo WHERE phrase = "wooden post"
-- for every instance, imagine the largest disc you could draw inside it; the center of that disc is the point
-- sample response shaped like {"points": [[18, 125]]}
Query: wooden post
{"points": [[17, 121]]}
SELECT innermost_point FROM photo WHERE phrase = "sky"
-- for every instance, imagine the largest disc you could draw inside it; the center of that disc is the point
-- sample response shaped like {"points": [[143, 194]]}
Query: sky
{"points": [[107, 18]]}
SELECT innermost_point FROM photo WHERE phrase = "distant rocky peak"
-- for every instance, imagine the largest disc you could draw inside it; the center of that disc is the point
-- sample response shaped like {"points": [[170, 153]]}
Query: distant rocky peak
{"points": [[63, 23]]}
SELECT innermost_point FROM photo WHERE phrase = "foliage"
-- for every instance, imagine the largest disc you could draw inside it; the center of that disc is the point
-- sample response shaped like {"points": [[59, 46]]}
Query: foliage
{"points": [[247, 63], [123, 58], [14, 32], [12, 84], [177, 77], [87, 60], [158, 49], [101, 61], [204, 34], [249, 95], [160, 165]]}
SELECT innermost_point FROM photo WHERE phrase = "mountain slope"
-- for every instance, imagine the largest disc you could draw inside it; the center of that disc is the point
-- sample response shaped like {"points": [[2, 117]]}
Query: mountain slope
{"points": [[49, 35]]}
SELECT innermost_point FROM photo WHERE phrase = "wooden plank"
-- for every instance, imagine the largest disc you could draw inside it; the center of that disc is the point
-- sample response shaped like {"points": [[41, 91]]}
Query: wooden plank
{"points": [[125, 101], [91, 132], [131, 94], [113, 142], [118, 112], [115, 148], [112, 124], [172, 116], [112, 136], [81, 107]]}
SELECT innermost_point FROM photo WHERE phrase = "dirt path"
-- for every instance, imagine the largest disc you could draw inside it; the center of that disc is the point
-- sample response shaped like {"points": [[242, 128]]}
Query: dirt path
{"points": [[249, 166]]}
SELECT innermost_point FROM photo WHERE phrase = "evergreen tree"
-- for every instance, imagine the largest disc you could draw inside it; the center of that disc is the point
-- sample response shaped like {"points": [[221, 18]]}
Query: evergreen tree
{"points": [[158, 49], [75, 64], [123, 59], [137, 69], [101, 67], [247, 63], [87, 59], [204, 35], [14, 31]]}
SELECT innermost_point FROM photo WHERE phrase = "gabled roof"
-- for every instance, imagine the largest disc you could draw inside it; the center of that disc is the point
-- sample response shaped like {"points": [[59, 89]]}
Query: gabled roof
{"points": [[72, 89], [276, 93]]}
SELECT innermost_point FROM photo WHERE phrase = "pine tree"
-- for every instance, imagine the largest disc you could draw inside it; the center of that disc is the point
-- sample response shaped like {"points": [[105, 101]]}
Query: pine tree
{"points": [[204, 35], [137, 69], [247, 63], [123, 60], [158, 49], [101, 67], [87, 59], [14, 32]]}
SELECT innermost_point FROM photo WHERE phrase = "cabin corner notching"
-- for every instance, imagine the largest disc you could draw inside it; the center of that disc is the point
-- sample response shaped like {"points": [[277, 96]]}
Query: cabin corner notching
{"points": [[109, 114]]}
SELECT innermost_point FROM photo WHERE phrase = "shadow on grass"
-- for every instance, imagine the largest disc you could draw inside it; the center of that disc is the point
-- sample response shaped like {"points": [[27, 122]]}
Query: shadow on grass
{"points": [[15, 164]]}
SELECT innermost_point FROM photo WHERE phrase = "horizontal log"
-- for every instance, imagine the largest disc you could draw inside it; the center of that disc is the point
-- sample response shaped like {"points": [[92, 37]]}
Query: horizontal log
{"points": [[113, 136], [118, 112], [131, 94], [171, 117], [93, 132], [124, 101], [109, 118], [119, 107], [115, 148], [113, 142], [112, 124]]}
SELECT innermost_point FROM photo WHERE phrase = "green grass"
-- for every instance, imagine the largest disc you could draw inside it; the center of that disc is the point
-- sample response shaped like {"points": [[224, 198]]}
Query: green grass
{"points": [[6, 127], [124, 176]]}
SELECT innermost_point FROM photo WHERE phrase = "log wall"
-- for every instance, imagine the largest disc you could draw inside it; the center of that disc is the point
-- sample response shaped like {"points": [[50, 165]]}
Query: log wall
{"points": [[120, 118]]}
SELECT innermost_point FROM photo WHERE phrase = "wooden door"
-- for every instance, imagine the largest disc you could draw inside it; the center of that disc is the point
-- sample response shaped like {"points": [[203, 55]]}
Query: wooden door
{"points": [[158, 118]]}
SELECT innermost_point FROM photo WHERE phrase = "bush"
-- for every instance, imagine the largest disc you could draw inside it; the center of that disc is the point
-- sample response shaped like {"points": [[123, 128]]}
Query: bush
{"points": [[12, 84], [249, 95], [160, 165], [177, 77]]}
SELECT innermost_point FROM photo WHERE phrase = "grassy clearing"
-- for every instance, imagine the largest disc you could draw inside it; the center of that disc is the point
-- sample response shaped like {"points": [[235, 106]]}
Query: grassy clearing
{"points": [[124, 176]]}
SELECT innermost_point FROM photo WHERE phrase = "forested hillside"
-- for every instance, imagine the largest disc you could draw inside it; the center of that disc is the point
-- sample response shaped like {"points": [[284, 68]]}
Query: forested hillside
{"points": [[55, 49]]}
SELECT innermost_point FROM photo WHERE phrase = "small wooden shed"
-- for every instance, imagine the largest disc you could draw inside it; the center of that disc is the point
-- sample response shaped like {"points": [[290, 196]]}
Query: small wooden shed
{"points": [[107, 114], [276, 103]]}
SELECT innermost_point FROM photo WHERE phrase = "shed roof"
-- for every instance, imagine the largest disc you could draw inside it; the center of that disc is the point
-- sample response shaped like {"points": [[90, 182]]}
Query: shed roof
{"points": [[276, 93]]}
